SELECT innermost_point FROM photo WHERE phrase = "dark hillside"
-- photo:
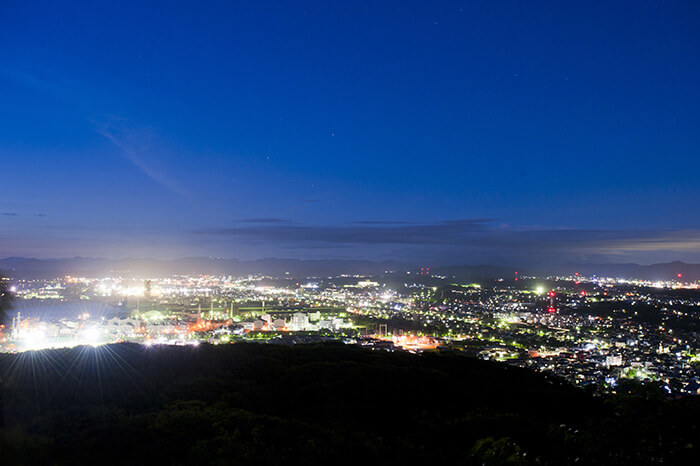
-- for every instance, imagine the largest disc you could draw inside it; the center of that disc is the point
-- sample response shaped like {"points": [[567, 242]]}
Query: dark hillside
{"points": [[268, 404]]}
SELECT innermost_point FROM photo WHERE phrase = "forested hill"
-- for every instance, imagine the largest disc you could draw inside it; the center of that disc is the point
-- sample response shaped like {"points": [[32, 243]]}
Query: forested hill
{"points": [[319, 404]]}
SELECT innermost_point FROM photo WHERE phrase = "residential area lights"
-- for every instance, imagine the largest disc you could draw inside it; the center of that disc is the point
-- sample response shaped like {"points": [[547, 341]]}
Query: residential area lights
{"points": [[592, 331]]}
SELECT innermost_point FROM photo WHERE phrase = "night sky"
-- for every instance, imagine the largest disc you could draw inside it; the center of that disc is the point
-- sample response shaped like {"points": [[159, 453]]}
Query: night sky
{"points": [[434, 132]]}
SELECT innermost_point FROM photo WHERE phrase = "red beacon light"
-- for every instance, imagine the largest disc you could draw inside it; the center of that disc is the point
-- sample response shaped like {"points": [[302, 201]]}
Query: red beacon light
{"points": [[551, 310], [680, 275], [552, 294]]}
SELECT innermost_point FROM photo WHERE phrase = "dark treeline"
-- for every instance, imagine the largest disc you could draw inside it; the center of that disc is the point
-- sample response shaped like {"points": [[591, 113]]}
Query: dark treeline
{"points": [[320, 404]]}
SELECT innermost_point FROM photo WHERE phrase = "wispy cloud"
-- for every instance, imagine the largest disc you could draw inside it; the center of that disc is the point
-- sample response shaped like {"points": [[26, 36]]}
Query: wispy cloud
{"points": [[264, 220], [381, 222], [137, 145], [49, 84], [464, 236], [16, 214], [355, 234]]}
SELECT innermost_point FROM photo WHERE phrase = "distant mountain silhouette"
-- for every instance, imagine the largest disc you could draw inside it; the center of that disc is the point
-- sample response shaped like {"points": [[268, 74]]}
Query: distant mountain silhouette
{"points": [[664, 271], [20, 267], [655, 272]]}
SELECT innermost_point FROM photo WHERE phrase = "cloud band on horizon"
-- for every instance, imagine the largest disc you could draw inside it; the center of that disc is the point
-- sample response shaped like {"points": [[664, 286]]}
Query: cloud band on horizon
{"points": [[464, 234]]}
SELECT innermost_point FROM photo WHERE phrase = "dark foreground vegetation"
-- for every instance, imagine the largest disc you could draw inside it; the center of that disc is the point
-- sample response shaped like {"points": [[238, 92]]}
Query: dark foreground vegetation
{"points": [[320, 404]]}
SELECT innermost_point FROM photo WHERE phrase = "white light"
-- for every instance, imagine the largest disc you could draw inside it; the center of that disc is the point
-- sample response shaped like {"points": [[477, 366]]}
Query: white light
{"points": [[92, 335], [34, 339]]}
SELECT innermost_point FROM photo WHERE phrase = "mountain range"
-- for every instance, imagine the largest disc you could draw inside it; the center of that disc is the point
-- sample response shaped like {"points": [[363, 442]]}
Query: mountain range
{"points": [[28, 268]]}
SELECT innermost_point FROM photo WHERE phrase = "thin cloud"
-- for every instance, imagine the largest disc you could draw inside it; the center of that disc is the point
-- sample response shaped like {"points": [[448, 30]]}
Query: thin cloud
{"points": [[264, 220], [463, 235], [381, 222], [356, 234], [47, 83], [136, 145], [16, 214]]}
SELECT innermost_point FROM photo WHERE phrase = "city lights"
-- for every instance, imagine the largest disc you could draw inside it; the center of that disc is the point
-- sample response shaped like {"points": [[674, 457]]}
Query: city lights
{"points": [[556, 329]]}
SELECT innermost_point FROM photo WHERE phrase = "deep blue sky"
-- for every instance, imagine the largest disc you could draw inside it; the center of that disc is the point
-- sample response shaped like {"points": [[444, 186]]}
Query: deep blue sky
{"points": [[462, 132]]}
